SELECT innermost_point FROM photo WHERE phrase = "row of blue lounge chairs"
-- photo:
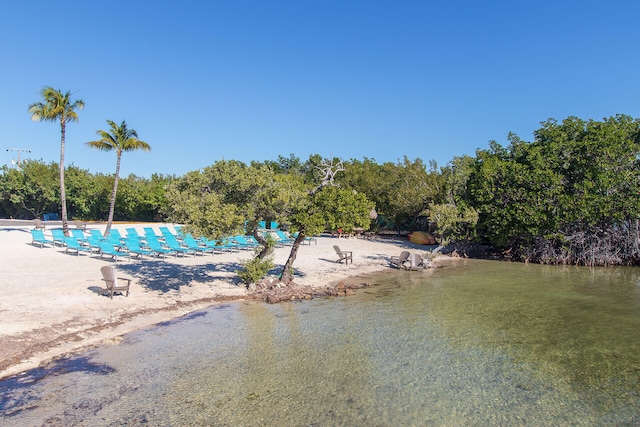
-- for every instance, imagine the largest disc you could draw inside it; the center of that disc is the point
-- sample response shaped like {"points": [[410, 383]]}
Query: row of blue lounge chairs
{"points": [[134, 245]]}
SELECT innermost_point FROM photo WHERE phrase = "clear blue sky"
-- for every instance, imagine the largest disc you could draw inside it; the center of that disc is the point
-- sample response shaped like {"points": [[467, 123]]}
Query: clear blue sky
{"points": [[250, 80]]}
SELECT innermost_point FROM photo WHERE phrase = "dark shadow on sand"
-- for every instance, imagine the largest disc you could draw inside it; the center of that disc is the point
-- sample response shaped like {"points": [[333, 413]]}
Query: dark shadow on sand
{"points": [[165, 276]]}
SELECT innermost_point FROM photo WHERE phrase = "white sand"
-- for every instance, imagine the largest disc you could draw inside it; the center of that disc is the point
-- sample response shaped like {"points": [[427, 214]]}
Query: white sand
{"points": [[50, 304]]}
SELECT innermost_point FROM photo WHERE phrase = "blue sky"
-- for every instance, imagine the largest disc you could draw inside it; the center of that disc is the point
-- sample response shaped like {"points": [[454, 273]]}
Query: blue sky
{"points": [[250, 80]]}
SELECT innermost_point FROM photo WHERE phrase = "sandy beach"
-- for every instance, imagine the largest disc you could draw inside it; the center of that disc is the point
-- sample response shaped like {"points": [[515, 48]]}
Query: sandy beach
{"points": [[52, 303]]}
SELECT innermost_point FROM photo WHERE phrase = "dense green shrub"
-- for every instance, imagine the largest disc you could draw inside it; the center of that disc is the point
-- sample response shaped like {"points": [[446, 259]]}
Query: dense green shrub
{"points": [[255, 269]]}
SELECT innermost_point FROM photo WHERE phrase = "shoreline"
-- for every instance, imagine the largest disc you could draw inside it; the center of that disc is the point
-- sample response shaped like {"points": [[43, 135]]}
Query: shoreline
{"points": [[52, 306]]}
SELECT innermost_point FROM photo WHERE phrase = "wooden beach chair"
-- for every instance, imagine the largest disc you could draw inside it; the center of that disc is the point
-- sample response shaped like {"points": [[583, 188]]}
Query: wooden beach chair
{"points": [[400, 261], [111, 281], [345, 256]]}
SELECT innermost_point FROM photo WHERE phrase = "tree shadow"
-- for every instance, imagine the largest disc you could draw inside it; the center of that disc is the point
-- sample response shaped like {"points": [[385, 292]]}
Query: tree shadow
{"points": [[165, 276]]}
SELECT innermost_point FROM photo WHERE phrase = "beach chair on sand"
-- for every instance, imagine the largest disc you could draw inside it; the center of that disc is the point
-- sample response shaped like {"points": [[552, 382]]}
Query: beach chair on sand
{"points": [[97, 234], [282, 238], [132, 233], [155, 245], [133, 246], [175, 246], [400, 261], [78, 235], [94, 244], [114, 284], [343, 255], [71, 244], [193, 244], [114, 236], [79, 225], [107, 249], [243, 243], [38, 239], [58, 236], [38, 224], [417, 263]]}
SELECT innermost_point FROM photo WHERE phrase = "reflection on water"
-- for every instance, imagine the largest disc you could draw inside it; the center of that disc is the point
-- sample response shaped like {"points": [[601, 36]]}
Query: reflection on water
{"points": [[481, 343]]}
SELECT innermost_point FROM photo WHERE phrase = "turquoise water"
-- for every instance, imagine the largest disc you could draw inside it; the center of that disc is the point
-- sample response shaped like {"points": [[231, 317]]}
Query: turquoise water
{"points": [[478, 343]]}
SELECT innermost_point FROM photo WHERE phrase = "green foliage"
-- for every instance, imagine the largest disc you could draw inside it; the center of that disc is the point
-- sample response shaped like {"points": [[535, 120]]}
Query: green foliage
{"points": [[400, 191], [255, 269], [33, 190], [228, 196], [30, 191], [80, 186], [577, 177], [575, 186], [333, 208], [454, 223]]}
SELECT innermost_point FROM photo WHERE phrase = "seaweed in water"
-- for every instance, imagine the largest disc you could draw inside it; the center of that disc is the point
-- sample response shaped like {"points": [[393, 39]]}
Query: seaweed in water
{"points": [[17, 394]]}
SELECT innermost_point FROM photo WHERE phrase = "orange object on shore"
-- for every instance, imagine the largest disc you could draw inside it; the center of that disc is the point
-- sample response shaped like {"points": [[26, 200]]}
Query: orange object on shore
{"points": [[420, 238]]}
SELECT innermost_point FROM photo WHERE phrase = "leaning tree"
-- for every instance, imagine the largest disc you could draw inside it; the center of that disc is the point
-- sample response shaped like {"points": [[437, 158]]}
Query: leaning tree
{"points": [[120, 139], [326, 206]]}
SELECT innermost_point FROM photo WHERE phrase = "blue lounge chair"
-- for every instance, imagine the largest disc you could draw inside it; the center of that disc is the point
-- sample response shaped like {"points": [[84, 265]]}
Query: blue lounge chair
{"points": [[96, 234], [94, 244], [149, 232], [155, 245], [281, 238], [174, 245], [221, 245], [107, 249], [243, 243], [114, 236], [306, 239], [195, 246], [132, 245], [229, 245], [78, 235], [58, 236], [38, 238], [71, 245], [212, 244], [132, 233], [252, 240], [164, 230]]}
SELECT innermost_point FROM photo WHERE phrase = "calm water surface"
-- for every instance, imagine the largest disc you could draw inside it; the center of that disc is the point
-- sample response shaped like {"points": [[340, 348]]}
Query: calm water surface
{"points": [[481, 343]]}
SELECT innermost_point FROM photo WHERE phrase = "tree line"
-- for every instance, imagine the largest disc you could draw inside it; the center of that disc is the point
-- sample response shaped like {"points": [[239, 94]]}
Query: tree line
{"points": [[569, 196], [32, 190]]}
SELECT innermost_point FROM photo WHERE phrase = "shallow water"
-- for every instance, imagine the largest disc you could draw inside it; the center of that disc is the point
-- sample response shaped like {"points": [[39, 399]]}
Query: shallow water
{"points": [[481, 343]]}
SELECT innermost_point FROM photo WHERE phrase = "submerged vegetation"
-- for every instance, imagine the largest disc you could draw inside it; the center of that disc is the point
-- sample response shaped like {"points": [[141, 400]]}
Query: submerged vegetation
{"points": [[572, 195]]}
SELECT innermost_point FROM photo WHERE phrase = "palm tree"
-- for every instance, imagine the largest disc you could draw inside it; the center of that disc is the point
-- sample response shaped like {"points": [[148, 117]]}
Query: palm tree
{"points": [[120, 139], [57, 106]]}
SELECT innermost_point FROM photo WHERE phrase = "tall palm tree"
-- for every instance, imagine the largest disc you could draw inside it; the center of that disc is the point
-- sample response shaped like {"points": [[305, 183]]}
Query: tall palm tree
{"points": [[120, 139], [57, 106]]}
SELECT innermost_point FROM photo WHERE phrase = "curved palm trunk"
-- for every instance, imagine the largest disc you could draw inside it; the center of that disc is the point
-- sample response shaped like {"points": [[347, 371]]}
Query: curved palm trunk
{"points": [[112, 204], [287, 270], [63, 195]]}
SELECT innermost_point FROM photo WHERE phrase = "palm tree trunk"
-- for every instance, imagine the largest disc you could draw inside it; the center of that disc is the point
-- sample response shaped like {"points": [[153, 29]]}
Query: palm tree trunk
{"points": [[63, 195], [112, 204]]}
